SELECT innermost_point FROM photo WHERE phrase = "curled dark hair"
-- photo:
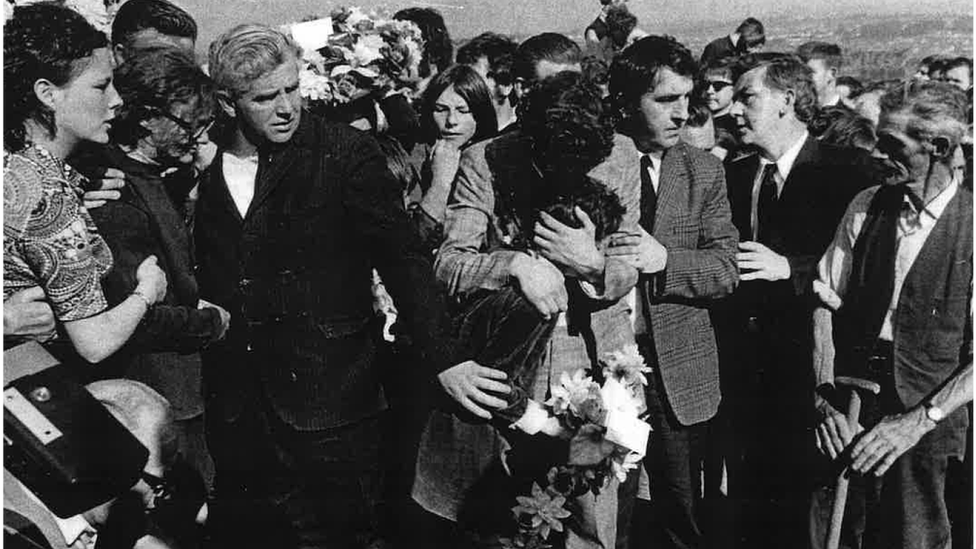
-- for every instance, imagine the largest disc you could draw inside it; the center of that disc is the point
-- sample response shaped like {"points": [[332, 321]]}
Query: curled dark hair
{"points": [[751, 32], [158, 78], [41, 41], [497, 49], [570, 128], [162, 16], [472, 88], [438, 48], [634, 72], [601, 204], [548, 46]]}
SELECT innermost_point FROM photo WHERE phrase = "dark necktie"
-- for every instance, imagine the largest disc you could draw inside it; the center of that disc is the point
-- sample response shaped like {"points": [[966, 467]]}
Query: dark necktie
{"points": [[766, 207], [648, 195]]}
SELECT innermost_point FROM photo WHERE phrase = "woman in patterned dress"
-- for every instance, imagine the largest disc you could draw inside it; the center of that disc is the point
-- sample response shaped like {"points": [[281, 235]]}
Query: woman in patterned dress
{"points": [[58, 94]]}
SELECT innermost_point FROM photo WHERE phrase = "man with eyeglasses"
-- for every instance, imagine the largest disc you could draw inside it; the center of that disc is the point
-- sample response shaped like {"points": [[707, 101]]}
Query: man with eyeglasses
{"points": [[167, 112]]}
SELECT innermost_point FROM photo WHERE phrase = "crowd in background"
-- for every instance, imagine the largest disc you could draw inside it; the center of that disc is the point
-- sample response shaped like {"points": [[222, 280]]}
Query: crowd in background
{"points": [[360, 312]]}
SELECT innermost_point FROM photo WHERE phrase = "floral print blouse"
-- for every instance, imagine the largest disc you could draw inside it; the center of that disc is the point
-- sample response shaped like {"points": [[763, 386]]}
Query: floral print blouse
{"points": [[49, 240]]}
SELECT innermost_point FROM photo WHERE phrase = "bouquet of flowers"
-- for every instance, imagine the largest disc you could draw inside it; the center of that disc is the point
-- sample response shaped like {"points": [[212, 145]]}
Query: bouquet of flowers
{"points": [[354, 53], [600, 415]]}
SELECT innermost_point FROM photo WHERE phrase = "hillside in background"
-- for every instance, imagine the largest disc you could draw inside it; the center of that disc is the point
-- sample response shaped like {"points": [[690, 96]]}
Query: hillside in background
{"points": [[880, 39]]}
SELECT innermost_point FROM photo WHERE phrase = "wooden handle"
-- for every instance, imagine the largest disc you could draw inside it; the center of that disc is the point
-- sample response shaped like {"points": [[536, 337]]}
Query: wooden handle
{"points": [[840, 490]]}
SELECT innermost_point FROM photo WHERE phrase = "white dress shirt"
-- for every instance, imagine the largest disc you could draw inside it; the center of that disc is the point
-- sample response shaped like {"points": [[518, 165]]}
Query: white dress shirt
{"points": [[914, 228], [240, 175], [784, 165]]}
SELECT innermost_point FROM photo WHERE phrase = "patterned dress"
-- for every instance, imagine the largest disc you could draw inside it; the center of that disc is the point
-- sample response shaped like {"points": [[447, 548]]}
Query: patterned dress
{"points": [[49, 240]]}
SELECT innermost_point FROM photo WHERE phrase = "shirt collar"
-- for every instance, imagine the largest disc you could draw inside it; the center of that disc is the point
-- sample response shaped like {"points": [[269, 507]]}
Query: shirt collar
{"points": [[655, 158], [785, 162], [933, 210]]}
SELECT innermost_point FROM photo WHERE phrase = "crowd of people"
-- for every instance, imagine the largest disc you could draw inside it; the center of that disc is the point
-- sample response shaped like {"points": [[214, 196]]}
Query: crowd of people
{"points": [[374, 323]]}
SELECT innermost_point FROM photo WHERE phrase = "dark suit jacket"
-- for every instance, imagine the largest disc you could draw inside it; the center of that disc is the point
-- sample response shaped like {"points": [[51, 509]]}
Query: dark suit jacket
{"points": [[693, 222], [717, 49], [815, 196], [163, 353], [296, 272], [765, 327]]}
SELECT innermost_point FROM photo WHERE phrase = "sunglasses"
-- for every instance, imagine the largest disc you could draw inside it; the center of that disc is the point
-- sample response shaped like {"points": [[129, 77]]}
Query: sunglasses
{"points": [[186, 127], [718, 85]]}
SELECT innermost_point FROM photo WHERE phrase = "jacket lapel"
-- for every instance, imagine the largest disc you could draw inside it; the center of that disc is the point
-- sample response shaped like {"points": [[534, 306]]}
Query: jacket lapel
{"points": [[809, 154], [276, 162], [216, 179]]}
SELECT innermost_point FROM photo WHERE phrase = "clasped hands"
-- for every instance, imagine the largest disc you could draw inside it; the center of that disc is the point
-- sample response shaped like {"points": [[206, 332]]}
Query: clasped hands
{"points": [[561, 249], [639, 250], [875, 450]]}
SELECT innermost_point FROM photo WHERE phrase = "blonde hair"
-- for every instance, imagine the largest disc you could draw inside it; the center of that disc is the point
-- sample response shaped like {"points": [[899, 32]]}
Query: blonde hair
{"points": [[247, 52]]}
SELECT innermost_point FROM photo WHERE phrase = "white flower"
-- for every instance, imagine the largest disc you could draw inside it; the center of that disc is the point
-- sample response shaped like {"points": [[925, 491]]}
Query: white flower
{"points": [[314, 86], [626, 365], [356, 16], [617, 397], [571, 390], [368, 49]]}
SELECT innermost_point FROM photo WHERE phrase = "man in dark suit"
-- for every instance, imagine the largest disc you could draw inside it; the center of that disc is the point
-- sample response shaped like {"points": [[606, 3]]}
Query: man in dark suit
{"points": [[786, 202], [685, 254], [294, 217], [749, 37]]}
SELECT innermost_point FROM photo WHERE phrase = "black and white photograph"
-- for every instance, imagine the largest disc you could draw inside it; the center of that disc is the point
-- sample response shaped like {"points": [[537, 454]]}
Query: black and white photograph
{"points": [[488, 274]]}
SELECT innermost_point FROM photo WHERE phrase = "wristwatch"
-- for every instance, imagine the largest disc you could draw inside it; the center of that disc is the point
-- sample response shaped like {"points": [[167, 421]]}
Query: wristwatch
{"points": [[933, 412]]}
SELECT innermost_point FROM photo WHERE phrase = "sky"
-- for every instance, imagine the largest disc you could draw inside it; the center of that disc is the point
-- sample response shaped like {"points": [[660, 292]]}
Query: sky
{"points": [[466, 18]]}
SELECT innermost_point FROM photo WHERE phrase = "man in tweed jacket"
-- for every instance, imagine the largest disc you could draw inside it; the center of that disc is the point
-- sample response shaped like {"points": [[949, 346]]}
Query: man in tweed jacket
{"points": [[685, 253]]}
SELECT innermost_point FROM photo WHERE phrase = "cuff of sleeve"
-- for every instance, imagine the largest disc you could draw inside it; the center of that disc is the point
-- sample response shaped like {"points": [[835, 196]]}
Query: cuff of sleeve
{"points": [[533, 419]]}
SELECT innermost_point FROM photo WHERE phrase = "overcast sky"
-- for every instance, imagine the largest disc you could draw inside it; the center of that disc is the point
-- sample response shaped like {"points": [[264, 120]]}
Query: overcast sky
{"points": [[466, 18]]}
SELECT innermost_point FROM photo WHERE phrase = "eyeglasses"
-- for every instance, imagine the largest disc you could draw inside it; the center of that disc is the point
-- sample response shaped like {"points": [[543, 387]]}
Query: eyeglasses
{"points": [[718, 85], [185, 126]]}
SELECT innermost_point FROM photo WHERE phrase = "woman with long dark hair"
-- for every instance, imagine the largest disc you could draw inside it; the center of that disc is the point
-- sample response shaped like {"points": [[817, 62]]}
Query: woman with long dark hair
{"points": [[58, 93], [455, 110]]}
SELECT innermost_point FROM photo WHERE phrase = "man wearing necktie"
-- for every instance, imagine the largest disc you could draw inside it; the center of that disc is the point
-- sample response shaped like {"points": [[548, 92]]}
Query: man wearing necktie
{"points": [[685, 254], [786, 201], [896, 286]]}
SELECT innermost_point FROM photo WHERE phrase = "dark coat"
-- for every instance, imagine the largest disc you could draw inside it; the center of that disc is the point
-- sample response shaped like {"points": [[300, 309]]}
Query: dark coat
{"points": [[163, 352], [764, 329], [296, 272]]}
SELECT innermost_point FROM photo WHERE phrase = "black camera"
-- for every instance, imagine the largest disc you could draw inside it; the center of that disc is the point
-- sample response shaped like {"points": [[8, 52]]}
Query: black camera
{"points": [[59, 441]]}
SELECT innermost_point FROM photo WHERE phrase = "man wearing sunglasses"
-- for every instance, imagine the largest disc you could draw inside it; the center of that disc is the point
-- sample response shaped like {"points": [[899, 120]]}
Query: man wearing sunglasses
{"points": [[168, 110]]}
